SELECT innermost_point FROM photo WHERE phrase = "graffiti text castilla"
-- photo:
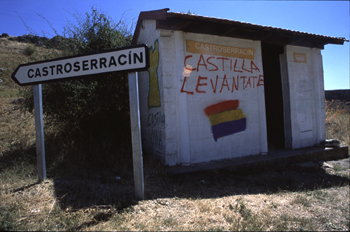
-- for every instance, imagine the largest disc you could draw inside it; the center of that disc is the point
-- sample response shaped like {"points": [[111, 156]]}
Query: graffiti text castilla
{"points": [[235, 76]]}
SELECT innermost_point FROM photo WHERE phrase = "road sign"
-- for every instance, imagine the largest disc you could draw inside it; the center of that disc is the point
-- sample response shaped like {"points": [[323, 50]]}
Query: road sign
{"points": [[129, 59]]}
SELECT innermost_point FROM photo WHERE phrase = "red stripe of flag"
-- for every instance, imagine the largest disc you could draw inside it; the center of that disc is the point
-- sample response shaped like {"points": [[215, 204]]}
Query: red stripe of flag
{"points": [[221, 106]]}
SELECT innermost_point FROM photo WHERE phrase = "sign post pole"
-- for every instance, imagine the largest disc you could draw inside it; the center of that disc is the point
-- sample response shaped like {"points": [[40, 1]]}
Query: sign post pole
{"points": [[39, 132], [136, 135]]}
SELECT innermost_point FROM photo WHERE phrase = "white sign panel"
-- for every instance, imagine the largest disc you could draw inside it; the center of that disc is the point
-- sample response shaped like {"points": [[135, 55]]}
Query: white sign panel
{"points": [[127, 59]]}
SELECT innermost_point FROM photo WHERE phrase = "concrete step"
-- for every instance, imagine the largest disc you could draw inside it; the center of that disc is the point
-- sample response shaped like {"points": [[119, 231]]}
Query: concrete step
{"points": [[274, 159]]}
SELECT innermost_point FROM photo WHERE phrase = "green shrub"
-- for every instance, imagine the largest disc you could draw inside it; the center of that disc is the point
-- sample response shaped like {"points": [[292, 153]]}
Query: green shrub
{"points": [[29, 50], [91, 113]]}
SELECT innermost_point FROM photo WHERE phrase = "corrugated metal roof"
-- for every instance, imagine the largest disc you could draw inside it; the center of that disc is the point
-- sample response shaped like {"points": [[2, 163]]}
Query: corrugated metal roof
{"points": [[232, 28], [252, 24]]}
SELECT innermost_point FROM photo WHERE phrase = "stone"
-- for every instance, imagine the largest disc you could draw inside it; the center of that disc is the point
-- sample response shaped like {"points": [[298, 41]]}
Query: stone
{"points": [[18, 101], [330, 143]]}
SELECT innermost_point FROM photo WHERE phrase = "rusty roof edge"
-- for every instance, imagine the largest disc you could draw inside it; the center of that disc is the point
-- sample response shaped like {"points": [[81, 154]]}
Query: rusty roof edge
{"points": [[340, 40]]}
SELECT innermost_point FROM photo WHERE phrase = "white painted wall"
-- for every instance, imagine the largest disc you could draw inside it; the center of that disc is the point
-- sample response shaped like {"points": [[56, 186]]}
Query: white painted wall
{"points": [[185, 136], [152, 115], [178, 131], [252, 140], [307, 100]]}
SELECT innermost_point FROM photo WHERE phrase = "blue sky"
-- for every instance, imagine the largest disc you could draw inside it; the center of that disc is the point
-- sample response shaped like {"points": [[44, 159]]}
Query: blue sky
{"points": [[329, 18]]}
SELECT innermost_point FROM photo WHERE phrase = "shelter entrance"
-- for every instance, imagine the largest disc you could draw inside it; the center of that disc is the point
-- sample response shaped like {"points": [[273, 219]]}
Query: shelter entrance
{"points": [[273, 95]]}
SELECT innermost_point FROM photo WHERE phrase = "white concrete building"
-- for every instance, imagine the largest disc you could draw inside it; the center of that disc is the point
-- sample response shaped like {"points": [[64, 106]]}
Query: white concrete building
{"points": [[218, 89]]}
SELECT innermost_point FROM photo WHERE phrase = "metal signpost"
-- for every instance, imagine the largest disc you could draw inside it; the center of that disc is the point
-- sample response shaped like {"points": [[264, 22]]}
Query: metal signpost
{"points": [[39, 132], [130, 59], [136, 135]]}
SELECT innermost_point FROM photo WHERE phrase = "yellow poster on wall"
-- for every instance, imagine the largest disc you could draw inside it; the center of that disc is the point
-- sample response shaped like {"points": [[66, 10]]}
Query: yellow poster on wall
{"points": [[300, 57], [153, 94], [219, 50]]}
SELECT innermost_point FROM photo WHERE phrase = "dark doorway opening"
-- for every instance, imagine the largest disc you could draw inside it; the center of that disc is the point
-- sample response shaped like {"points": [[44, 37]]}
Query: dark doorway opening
{"points": [[273, 95]]}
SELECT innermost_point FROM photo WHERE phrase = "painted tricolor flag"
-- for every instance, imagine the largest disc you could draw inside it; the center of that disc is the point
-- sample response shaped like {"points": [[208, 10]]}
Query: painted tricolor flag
{"points": [[225, 118]]}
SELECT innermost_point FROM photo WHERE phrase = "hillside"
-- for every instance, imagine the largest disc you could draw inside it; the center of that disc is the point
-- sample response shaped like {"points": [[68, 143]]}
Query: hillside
{"points": [[340, 94], [20, 50]]}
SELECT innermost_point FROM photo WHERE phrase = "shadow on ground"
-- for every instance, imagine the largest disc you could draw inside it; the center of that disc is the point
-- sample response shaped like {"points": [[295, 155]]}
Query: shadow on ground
{"points": [[105, 189], [77, 187]]}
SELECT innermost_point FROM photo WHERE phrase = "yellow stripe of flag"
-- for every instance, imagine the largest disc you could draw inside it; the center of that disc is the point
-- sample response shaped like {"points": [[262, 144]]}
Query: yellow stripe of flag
{"points": [[226, 116]]}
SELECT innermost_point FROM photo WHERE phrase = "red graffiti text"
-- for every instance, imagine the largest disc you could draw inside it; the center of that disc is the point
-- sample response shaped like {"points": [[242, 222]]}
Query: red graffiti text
{"points": [[218, 85], [213, 63]]}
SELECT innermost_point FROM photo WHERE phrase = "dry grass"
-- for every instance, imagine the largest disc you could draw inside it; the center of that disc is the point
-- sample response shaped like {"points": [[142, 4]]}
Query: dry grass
{"points": [[16, 128], [38, 208], [74, 198], [14, 53], [338, 121]]}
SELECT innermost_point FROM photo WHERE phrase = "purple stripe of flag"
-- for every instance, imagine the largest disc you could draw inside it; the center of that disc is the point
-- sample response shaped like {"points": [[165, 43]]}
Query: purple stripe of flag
{"points": [[228, 128]]}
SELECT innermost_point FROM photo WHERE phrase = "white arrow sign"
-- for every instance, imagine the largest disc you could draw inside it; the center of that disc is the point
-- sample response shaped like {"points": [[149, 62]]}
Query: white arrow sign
{"points": [[127, 59]]}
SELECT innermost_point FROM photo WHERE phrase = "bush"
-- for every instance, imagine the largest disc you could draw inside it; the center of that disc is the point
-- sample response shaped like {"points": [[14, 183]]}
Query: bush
{"points": [[92, 112], [29, 50], [4, 35]]}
